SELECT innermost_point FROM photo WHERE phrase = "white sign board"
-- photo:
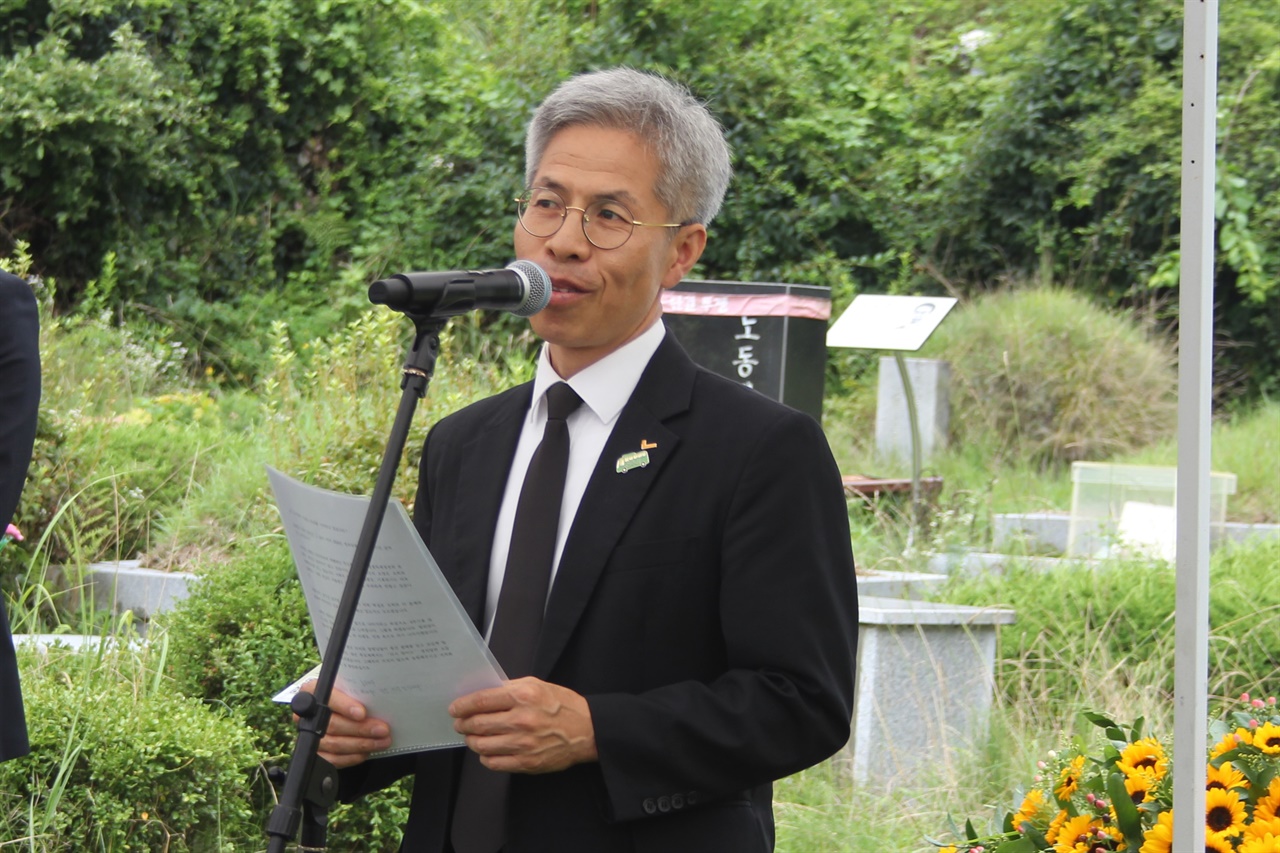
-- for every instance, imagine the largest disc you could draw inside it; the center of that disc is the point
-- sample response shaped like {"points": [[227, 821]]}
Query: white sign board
{"points": [[889, 322]]}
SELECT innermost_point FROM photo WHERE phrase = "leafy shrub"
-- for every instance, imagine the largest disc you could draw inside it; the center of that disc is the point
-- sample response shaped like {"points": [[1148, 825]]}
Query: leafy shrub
{"points": [[241, 157], [1051, 150], [332, 403], [242, 635], [120, 762], [1045, 375]]}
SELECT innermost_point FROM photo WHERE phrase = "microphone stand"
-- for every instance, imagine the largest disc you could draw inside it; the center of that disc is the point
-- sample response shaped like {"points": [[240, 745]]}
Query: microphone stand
{"points": [[311, 782]]}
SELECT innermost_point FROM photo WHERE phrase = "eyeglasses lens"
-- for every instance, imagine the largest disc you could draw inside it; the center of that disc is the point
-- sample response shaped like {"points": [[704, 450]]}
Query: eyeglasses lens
{"points": [[606, 223]]}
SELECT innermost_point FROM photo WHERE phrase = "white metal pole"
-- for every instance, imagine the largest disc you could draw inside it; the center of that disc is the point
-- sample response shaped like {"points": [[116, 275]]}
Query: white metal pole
{"points": [[1195, 386]]}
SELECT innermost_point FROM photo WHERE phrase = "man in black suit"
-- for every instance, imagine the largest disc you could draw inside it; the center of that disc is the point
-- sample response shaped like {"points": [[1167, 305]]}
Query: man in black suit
{"points": [[19, 402], [698, 638]]}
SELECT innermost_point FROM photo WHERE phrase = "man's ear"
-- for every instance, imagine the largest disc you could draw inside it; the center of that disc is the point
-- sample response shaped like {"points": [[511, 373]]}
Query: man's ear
{"points": [[686, 248]]}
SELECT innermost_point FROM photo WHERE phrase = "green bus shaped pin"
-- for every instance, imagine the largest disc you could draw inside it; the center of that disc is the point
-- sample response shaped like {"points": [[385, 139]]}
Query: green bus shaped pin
{"points": [[630, 461]]}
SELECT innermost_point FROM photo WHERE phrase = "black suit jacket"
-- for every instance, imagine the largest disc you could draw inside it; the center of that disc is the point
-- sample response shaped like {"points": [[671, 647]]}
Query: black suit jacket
{"points": [[705, 606], [19, 402]]}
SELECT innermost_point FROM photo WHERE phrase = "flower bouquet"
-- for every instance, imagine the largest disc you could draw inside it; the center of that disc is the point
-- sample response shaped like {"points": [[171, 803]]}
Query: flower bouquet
{"points": [[1120, 795]]}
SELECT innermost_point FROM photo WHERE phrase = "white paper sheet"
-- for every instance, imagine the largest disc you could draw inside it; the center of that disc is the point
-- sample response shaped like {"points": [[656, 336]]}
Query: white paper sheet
{"points": [[412, 648]]}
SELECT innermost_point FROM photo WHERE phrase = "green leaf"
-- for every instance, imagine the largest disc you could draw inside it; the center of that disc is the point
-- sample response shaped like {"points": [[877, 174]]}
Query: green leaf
{"points": [[1037, 839], [1126, 812], [1098, 719], [1018, 845]]}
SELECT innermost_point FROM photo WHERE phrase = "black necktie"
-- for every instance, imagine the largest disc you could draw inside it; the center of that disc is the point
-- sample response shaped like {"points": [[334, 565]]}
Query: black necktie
{"points": [[479, 816]]}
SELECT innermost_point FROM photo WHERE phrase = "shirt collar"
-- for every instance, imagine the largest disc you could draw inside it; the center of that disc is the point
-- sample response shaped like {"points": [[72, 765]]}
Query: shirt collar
{"points": [[606, 385]]}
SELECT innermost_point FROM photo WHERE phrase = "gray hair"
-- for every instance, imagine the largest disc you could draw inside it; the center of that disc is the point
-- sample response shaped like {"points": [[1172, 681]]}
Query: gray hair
{"points": [[693, 156]]}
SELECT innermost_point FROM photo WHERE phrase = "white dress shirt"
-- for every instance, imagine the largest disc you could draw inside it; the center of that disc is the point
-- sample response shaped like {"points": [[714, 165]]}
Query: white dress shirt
{"points": [[604, 388]]}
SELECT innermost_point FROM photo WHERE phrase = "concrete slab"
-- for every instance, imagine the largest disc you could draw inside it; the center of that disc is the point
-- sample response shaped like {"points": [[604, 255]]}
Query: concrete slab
{"points": [[925, 683], [898, 584], [125, 585]]}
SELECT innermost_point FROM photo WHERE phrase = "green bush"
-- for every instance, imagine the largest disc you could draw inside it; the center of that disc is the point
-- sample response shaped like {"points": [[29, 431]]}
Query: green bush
{"points": [[119, 762], [1050, 149], [242, 635], [1042, 374], [237, 161]]}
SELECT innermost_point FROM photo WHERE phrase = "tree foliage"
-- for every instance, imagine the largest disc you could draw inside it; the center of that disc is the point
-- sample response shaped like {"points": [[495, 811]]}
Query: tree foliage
{"points": [[238, 155]]}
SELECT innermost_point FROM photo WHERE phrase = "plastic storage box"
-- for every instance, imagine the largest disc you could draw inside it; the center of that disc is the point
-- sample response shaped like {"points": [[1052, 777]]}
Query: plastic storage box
{"points": [[1114, 503]]}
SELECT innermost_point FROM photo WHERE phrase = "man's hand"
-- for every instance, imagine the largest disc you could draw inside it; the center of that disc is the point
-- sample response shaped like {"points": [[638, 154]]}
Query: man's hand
{"points": [[352, 733], [526, 726]]}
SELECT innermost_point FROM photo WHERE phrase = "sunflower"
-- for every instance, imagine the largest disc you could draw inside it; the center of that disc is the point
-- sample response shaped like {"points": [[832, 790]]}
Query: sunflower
{"points": [[1268, 805], [1225, 777], [1145, 756], [1230, 741], [1051, 834], [1216, 844], [1139, 787], [1223, 812], [1267, 738], [1069, 778], [1030, 808], [1078, 835], [1265, 843], [1159, 838], [1260, 828]]}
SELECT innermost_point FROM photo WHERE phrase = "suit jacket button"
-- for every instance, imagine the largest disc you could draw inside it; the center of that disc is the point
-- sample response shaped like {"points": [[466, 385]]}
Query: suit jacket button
{"points": [[691, 798], [664, 804], [677, 801], [650, 806]]}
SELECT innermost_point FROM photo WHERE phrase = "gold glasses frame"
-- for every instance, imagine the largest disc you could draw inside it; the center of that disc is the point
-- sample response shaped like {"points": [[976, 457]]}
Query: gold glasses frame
{"points": [[590, 214]]}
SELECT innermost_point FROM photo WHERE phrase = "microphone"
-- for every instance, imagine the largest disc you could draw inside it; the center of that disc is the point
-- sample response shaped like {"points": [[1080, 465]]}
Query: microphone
{"points": [[523, 288]]}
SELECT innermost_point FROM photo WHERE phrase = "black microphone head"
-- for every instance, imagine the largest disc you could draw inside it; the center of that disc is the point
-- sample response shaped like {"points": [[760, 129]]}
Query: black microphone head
{"points": [[389, 291], [538, 288]]}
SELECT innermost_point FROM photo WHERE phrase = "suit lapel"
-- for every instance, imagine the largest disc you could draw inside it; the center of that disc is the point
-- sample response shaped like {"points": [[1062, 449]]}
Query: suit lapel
{"points": [[611, 498], [484, 463]]}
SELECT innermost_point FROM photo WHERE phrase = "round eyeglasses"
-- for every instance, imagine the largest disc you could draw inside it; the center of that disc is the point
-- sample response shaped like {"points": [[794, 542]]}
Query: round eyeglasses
{"points": [[607, 223]]}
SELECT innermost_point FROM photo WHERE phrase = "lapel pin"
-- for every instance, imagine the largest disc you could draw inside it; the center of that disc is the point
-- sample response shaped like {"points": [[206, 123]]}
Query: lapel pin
{"points": [[645, 444], [630, 461]]}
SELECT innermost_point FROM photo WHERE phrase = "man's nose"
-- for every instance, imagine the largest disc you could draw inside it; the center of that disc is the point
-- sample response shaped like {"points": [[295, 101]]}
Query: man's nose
{"points": [[570, 241]]}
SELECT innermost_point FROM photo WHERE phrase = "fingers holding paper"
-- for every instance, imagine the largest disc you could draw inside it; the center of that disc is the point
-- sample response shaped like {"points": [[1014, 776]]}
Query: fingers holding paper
{"points": [[352, 734], [526, 726]]}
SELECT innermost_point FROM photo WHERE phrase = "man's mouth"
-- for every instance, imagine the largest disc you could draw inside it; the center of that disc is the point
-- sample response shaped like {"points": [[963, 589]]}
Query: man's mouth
{"points": [[561, 286]]}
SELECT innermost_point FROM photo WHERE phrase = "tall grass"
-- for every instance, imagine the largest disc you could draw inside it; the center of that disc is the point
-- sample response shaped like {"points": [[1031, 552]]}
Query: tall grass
{"points": [[1247, 444], [820, 811], [324, 413]]}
